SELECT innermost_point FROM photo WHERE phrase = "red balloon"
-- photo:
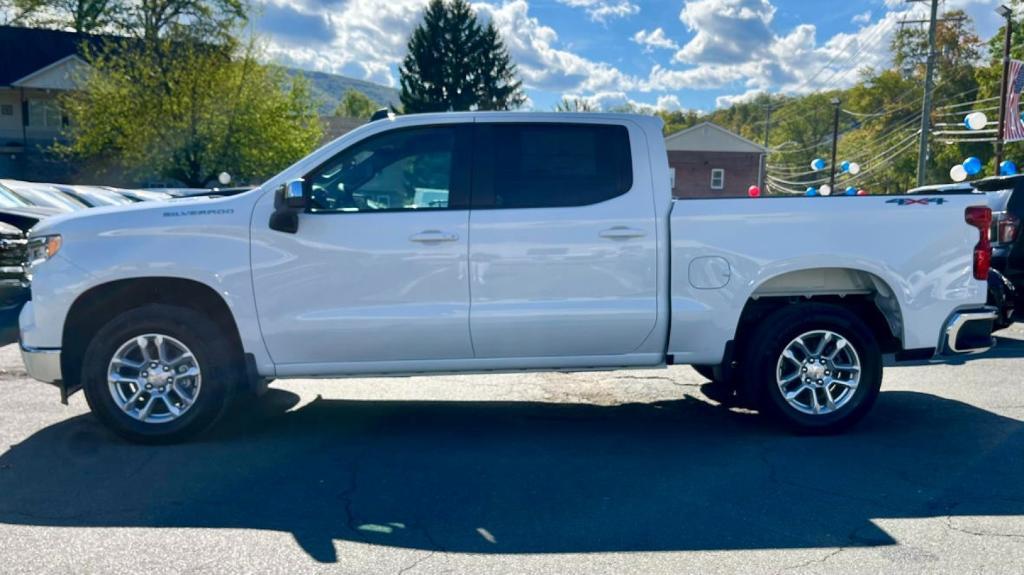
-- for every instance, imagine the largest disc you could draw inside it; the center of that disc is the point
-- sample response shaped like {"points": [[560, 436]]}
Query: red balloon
{"points": [[862, 193], [754, 192]]}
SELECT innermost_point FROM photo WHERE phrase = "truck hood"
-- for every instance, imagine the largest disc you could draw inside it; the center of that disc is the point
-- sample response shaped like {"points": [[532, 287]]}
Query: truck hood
{"points": [[151, 214]]}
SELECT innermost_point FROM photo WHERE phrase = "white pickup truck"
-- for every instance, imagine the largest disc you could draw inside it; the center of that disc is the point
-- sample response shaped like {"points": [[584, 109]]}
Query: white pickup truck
{"points": [[479, 242]]}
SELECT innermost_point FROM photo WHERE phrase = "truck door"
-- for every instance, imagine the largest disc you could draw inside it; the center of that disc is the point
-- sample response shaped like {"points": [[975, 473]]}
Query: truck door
{"points": [[563, 250], [377, 271]]}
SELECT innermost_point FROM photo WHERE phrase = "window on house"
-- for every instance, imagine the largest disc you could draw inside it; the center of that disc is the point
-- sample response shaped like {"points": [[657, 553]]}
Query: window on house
{"points": [[43, 114], [6, 109], [717, 179]]}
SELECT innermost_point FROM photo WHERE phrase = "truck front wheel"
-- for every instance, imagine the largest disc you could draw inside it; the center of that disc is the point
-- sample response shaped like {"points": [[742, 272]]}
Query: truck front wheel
{"points": [[159, 373], [816, 367]]}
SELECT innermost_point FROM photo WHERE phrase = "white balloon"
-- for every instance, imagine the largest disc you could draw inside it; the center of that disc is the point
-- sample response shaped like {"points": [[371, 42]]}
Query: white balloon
{"points": [[976, 120], [854, 168], [224, 178], [825, 190], [957, 173]]}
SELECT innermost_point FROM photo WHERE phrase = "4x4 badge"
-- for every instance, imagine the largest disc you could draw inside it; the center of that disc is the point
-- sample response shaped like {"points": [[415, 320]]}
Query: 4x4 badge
{"points": [[916, 201]]}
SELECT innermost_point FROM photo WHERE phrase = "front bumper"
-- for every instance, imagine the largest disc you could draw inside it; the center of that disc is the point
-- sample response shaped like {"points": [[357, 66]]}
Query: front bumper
{"points": [[42, 364], [969, 331]]}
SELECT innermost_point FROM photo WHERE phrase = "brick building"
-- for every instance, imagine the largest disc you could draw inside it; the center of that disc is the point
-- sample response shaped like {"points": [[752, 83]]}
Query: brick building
{"points": [[711, 162]]}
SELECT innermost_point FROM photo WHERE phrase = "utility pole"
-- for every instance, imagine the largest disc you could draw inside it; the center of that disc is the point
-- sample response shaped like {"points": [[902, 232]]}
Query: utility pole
{"points": [[1008, 14], [835, 144], [926, 106], [764, 157]]}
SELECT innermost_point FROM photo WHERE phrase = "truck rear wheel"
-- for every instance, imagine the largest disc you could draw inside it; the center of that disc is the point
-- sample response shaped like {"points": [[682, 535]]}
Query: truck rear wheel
{"points": [[159, 373], [815, 367]]}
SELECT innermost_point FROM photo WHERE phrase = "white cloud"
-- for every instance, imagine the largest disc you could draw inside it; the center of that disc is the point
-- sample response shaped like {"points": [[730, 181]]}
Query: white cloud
{"points": [[614, 99], [654, 39], [369, 40], [542, 63], [369, 37], [735, 43], [699, 78], [727, 100], [669, 103], [726, 30], [862, 18], [601, 10]]}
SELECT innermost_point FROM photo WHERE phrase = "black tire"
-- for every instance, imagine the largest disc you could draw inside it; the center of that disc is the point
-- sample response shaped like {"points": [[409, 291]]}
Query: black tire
{"points": [[774, 334], [220, 368]]}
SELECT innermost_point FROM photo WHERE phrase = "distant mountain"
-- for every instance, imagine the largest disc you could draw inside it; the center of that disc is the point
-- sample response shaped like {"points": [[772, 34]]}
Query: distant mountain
{"points": [[330, 88]]}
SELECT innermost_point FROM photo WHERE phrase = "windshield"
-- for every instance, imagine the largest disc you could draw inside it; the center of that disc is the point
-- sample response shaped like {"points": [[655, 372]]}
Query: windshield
{"points": [[97, 197], [9, 199], [51, 198]]}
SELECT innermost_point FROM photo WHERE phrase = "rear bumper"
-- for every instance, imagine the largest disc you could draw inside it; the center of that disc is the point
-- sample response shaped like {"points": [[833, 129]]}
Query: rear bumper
{"points": [[969, 331], [42, 364]]}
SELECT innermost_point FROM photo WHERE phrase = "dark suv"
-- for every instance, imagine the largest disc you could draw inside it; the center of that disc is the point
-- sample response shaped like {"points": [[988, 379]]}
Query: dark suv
{"points": [[1006, 198]]}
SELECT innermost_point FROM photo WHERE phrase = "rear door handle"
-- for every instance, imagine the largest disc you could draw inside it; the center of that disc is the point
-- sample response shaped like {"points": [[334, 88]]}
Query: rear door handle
{"points": [[433, 237], [622, 233]]}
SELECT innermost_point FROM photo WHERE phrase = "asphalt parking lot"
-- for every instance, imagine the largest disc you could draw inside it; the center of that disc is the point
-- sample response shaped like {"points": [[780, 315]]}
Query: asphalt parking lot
{"points": [[615, 472]]}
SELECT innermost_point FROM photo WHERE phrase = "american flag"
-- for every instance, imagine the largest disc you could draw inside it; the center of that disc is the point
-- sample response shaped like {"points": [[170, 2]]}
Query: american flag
{"points": [[1013, 129]]}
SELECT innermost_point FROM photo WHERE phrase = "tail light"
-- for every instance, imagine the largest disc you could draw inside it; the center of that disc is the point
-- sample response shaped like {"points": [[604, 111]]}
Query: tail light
{"points": [[981, 218], [1007, 228]]}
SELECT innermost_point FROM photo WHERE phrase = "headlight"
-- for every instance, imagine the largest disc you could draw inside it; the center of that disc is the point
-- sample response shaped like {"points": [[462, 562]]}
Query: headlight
{"points": [[40, 249]]}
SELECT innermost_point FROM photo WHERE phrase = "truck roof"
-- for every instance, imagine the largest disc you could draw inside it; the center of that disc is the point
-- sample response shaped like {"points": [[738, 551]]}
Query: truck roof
{"points": [[529, 116]]}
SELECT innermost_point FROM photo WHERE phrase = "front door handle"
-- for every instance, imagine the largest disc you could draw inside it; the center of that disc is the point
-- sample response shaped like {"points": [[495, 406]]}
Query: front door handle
{"points": [[622, 233], [433, 237]]}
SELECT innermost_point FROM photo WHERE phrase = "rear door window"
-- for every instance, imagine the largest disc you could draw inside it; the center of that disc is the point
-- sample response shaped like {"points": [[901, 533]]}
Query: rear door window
{"points": [[550, 165]]}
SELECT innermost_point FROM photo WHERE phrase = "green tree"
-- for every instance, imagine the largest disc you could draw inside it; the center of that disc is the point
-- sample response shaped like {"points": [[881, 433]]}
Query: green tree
{"points": [[455, 64], [206, 21], [498, 88], [209, 21], [84, 16], [574, 105], [188, 111], [355, 104]]}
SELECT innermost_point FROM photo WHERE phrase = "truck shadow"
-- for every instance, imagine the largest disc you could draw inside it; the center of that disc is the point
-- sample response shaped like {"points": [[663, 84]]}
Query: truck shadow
{"points": [[512, 478]]}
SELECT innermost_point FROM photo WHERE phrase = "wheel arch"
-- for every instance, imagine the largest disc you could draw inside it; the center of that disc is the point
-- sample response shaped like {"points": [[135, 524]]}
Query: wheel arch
{"points": [[97, 305], [865, 292]]}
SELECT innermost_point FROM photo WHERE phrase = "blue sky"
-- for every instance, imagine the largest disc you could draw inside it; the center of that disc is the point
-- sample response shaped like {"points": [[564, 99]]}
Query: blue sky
{"points": [[668, 54]]}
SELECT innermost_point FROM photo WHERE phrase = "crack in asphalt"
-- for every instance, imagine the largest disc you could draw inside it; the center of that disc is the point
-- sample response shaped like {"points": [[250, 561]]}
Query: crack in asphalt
{"points": [[657, 378], [416, 563], [818, 561], [953, 527], [346, 495]]}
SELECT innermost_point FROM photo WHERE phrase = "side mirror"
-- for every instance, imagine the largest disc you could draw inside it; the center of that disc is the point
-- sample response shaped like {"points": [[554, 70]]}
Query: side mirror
{"points": [[289, 200], [291, 194]]}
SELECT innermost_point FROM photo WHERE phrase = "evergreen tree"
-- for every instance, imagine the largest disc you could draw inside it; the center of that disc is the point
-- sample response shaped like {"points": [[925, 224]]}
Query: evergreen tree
{"points": [[498, 89], [454, 63]]}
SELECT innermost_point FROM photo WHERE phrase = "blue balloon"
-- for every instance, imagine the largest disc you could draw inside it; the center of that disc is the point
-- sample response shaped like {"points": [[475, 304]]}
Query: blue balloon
{"points": [[818, 164], [811, 191], [845, 166], [1007, 168], [851, 191], [972, 165]]}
